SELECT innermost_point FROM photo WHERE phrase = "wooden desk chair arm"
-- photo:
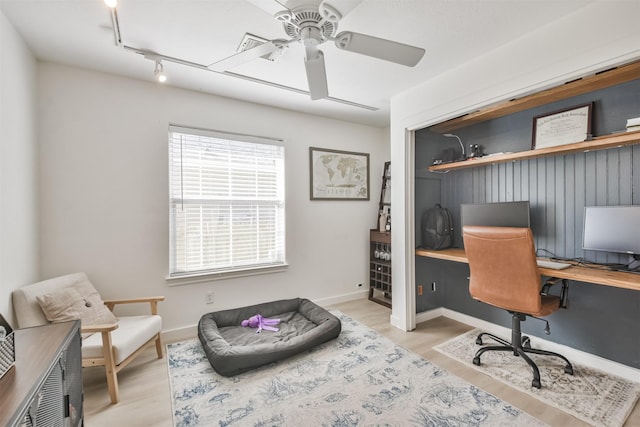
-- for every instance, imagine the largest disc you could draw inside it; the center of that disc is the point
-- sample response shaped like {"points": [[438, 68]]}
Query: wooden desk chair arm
{"points": [[153, 301], [98, 328]]}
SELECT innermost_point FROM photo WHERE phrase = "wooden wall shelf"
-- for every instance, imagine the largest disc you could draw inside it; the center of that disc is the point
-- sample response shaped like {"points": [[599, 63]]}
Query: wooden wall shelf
{"points": [[612, 77], [599, 143]]}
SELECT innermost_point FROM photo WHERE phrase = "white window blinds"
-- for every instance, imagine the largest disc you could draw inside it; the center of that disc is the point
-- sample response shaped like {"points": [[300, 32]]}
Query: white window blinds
{"points": [[226, 202]]}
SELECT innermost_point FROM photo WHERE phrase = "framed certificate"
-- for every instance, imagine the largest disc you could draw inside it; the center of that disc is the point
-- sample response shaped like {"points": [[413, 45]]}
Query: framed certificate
{"points": [[562, 127]]}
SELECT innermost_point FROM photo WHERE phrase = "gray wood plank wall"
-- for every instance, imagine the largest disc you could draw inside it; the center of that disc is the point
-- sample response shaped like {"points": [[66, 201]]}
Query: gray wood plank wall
{"points": [[557, 188]]}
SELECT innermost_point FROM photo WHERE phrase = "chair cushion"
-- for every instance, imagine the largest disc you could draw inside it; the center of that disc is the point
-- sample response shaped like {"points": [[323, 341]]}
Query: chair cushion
{"points": [[25, 305], [77, 301], [132, 332], [233, 349]]}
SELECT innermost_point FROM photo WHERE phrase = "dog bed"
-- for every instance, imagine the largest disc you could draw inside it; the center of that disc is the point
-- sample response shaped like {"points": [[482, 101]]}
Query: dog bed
{"points": [[233, 349]]}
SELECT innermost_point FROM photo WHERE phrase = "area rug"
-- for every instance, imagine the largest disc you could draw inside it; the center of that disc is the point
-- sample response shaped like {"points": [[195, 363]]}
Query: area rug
{"points": [[593, 396], [360, 378]]}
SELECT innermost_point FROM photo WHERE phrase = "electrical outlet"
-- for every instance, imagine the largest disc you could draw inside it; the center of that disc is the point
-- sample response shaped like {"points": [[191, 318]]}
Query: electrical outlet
{"points": [[209, 297], [433, 286], [419, 289]]}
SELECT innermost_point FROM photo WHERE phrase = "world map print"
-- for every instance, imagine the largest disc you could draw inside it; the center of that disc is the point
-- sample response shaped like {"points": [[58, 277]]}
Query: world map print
{"points": [[337, 175]]}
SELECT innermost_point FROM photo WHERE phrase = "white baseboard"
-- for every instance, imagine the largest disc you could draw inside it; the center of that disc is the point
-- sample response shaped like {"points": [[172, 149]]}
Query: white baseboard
{"points": [[179, 334], [430, 314], [394, 321], [572, 354], [323, 302]]}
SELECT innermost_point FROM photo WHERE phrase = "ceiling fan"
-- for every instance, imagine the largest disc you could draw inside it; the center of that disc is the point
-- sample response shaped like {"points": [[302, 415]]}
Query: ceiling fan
{"points": [[313, 26]]}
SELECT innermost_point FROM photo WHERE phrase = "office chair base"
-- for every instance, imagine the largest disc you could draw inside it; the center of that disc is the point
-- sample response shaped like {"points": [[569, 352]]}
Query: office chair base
{"points": [[526, 341], [521, 348]]}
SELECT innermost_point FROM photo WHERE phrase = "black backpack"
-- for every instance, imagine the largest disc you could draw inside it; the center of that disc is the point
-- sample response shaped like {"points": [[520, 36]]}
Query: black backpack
{"points": [[437, 228]]}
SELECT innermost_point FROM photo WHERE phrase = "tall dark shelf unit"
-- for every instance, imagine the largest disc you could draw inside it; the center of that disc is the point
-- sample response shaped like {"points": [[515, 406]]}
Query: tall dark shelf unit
{"points": [[379, 269], [380, 241]]}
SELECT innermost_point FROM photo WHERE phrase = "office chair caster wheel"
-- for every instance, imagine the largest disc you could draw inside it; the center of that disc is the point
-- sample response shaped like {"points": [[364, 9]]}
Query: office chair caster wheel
{"points": [[476, 361], [536, 383], [526, 342], [479, 341], [568, 370]]}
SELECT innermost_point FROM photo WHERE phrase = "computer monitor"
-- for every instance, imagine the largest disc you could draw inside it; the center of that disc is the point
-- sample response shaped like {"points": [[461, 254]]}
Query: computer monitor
{"points": [[500, 214], [613, 229]]}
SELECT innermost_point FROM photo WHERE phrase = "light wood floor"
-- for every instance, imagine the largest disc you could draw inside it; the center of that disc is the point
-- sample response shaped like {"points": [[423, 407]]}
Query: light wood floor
{"points": [[144, 385]]}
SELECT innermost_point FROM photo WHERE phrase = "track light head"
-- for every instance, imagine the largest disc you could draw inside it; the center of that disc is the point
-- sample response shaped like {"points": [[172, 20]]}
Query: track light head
{"points": [[111, 3], [159, 72]]}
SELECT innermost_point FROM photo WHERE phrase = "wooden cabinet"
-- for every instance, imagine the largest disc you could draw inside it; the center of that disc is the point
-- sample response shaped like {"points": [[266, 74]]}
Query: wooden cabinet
{"points": [[380, 267], [44, 388]]}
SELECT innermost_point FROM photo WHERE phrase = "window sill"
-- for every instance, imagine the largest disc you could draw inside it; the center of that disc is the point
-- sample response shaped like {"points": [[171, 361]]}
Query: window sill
{"points": [[189, 279]]}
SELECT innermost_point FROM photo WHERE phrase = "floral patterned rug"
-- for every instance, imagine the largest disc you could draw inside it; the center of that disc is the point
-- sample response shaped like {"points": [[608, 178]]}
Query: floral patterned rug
{"points": [[360, 378], [593, 396]]}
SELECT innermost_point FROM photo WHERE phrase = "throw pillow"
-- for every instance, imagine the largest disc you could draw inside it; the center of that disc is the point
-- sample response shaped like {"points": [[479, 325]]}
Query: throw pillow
{"points": [[78, 301]]}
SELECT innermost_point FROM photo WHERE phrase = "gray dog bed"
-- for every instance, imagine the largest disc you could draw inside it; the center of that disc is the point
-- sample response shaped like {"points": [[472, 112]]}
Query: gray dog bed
{"points": [[233, 349]]}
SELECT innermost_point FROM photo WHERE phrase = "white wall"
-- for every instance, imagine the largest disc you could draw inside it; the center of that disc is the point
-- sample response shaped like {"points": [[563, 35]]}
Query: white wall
{"points": [[104, 196], [18, 172], [596, 37]]}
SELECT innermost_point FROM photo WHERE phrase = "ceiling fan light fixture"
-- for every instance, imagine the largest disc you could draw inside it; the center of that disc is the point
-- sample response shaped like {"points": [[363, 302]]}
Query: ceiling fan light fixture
{"points": [[111, 3], [159, 72]]}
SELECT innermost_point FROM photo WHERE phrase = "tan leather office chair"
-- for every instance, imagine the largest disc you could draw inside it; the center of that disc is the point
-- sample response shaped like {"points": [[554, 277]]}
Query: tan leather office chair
{"points": [[504, 273]]}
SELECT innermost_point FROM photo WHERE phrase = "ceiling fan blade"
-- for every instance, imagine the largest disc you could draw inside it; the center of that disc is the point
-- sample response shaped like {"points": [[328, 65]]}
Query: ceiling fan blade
{"points": [[243, 57], [376, 47], [316, 75]]}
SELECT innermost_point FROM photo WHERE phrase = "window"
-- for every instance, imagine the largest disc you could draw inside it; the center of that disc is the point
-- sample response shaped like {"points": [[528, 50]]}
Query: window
{"points": [[226, 202]]}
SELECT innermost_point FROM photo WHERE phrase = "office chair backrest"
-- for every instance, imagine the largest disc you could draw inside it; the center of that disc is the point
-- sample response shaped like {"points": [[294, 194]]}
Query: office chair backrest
{"points": [[504, 273]]}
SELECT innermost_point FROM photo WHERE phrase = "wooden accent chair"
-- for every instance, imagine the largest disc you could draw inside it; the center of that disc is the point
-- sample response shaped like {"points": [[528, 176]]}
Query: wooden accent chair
{"points": [[106, 340], [504, 273]]}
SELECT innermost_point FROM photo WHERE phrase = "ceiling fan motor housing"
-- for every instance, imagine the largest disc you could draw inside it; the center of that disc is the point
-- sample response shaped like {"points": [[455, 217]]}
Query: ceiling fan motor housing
{"points": [[295, 22]]}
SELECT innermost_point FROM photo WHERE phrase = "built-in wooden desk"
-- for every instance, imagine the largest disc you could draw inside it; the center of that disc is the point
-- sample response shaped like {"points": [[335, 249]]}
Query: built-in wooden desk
{"points": [[618, 279]]}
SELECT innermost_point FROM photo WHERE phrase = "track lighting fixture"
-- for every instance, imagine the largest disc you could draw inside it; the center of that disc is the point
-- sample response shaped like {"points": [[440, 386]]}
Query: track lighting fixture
{"points": [[159, 72], [272, 50]]}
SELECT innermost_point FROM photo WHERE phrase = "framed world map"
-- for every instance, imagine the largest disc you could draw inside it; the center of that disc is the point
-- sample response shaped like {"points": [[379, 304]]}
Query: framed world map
{"points": [[338, 175]]}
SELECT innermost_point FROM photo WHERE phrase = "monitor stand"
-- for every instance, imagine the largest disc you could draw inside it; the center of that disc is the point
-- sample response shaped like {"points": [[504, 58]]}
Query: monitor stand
{"points": [[633, 266]]}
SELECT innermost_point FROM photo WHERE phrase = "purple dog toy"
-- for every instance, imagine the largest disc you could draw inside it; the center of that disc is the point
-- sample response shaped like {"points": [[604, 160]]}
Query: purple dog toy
{"points": [[261, 323]]}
